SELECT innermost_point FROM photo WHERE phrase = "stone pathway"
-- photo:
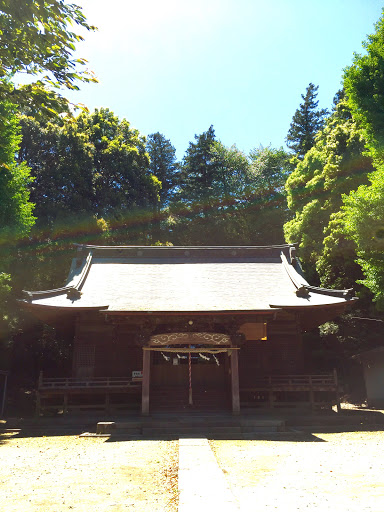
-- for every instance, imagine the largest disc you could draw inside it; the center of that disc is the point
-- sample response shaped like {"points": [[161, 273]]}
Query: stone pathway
{"points": [[202, 485]]}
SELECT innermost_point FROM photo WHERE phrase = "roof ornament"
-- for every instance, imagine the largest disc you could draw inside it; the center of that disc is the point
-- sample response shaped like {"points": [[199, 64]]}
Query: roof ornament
{"points": [[348, 293], [73, 294], [28, 295], [302, 292]]}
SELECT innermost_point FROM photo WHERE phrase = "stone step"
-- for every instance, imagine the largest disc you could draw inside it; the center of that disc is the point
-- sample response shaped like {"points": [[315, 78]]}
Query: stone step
{"points": [[185, 407], [156, 428]]}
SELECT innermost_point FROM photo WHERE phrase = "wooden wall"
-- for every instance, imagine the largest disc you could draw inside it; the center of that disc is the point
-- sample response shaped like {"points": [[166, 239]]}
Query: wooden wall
{"points": [[280, 353], [115, 353], [103, 349]]}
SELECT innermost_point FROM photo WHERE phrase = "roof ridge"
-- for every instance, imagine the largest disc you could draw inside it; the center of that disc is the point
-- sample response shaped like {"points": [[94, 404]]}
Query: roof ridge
{"points": [[184, 247]]}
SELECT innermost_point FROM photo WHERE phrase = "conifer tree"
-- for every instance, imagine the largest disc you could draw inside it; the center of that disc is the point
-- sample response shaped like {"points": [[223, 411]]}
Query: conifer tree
{"points": [[199, 169], [163, 164], [306, 122]]}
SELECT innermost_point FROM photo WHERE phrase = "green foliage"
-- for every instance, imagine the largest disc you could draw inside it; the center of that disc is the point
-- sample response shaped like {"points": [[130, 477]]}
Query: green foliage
{"points": [[35, 39], [333, 167], [270, 169], [266, 208], [35, 100], [211, 191], [227, 198], [336, 264], [163, 165], [16, 216], [306, 122], [364, 84], [213, 176], [90, 167], [364, 214], [199, 171], [61, 161], [232, 175], [120, 163]]}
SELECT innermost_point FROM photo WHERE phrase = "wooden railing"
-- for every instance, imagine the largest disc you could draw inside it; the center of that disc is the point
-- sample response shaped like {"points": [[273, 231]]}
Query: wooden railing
{"points": [[46, 383], [267, 390], [73, 393], [288, 381], [271, 391]]}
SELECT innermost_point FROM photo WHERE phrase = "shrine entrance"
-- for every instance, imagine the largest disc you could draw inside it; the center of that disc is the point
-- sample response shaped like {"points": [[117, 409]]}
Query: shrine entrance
{"points": [[190, 371]]}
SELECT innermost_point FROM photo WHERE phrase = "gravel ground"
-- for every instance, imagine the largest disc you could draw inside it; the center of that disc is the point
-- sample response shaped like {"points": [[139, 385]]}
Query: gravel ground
{"points": [[341, 472], [55, 474]]}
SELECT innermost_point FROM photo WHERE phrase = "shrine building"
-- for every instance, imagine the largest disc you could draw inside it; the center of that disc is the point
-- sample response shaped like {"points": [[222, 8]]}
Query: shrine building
{"points": [[186, 328]]}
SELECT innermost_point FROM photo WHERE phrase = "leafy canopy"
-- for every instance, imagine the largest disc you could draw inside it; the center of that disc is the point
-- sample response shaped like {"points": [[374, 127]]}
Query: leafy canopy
{"points": [[15, 209], [35, 38], [334, 166], [92, 165], [363, 209]]}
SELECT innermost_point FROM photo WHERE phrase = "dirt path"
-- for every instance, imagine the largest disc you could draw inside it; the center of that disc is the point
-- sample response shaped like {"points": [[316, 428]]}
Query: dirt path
{"points": [[55, 474], [343, 473]]}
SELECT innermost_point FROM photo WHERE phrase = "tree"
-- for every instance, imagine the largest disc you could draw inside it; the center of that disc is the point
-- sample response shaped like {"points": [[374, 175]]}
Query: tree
{"points": [[163, 165], [212, 182], [363, 82], [363, 208], [270, 169], [16, 216], [232, 175], [306, 122], [16, 211], [122, 179], [266, 209], [364, 214], [228, 198], [61, 160], [333, 167], [199, 171], [91, 174], [35, 39]]}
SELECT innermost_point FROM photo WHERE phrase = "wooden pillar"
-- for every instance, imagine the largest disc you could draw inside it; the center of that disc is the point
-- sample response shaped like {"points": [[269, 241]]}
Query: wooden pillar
{"points": [[65, 403], [146, 382], [38, 404], [4, 395], [271, 394], [38, 396], [338, 405], [235, 382]]}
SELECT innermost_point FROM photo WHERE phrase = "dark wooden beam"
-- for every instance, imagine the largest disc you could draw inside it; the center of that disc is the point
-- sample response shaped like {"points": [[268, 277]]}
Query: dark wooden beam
{"points": [[235, 382], [146, 382]]}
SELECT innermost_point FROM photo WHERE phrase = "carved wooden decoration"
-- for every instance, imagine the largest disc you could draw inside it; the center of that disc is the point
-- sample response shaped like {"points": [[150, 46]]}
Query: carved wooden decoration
{"points": [[190, 338]]}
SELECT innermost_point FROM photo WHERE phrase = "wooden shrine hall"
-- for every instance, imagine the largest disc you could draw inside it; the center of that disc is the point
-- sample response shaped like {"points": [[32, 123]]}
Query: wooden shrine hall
{"points": [[186, 328]]}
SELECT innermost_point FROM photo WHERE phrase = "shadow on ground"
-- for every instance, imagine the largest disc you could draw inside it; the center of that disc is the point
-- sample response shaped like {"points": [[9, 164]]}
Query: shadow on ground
{"points": [[300, 426]]}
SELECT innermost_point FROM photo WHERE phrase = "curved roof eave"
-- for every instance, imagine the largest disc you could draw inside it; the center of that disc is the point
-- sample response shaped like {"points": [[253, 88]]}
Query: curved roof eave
{"points": [[315, 306], [68, 308], [195, 312], [75, 282]]}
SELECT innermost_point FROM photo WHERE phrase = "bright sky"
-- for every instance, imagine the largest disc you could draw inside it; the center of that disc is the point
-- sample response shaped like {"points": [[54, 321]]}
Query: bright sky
{"points": [[178, 66]]}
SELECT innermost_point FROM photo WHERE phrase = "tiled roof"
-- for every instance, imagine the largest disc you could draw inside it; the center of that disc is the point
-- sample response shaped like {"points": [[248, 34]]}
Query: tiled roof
{"points": [[186, 279]]}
